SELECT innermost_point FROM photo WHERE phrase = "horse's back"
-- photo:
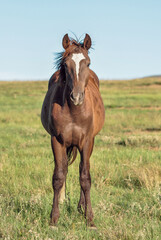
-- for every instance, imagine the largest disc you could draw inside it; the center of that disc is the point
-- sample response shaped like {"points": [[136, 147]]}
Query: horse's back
{"points": [[48, 101], [54, 78]]}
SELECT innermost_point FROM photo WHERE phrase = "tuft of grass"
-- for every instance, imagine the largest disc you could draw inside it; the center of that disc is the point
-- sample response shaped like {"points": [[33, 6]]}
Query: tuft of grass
{"points": [[139, 141]]}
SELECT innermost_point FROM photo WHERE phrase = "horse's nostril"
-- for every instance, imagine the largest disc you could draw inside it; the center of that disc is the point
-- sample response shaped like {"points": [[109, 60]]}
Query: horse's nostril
{"points": [[82, 95], [74, 96], [71, 96]]}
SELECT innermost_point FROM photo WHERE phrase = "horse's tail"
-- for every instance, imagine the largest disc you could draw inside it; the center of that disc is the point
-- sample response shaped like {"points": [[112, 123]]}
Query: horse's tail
{"points": [[71, 154]]}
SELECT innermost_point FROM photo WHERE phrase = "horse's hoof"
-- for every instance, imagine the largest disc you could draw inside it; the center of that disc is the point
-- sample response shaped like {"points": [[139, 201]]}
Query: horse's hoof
{"points": [[91, 226], [53, 225], [55, 228], [54, 218], [94, 228]]}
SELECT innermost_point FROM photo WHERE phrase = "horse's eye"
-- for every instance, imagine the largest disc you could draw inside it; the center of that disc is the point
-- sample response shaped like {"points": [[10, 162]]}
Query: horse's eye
{"points": [[88, 64]]}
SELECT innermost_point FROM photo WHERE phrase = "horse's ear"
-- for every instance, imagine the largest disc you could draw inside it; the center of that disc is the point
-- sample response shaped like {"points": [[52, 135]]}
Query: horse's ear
{"points": [[66, 41], [87, 42]]}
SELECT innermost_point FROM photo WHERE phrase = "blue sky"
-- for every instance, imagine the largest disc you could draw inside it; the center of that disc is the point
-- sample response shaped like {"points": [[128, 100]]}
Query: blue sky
{"points": [[126, 36]]}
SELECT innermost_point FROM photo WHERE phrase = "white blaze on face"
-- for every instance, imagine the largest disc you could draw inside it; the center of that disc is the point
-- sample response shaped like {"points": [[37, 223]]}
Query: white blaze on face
{"points": [[77, 57]]}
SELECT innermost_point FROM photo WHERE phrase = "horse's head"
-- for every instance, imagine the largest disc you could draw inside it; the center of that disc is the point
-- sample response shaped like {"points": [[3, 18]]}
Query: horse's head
{"points": [[76, 65]]}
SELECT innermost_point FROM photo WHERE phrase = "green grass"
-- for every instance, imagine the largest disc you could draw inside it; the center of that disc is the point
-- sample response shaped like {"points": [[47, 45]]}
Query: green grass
{"points": [[125, 166]]}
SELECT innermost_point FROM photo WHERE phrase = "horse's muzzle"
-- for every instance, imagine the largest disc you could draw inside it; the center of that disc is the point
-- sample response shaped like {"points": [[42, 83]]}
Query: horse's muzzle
{"points": [[77, 98]]}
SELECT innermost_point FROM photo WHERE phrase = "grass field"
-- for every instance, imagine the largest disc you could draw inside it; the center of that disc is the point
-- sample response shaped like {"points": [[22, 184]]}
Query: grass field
{"points": [[125, 166]]}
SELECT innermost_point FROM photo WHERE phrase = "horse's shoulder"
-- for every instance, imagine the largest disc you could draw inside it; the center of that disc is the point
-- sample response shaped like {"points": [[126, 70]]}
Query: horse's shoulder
{"points": [[93, 77], [54, 78]]}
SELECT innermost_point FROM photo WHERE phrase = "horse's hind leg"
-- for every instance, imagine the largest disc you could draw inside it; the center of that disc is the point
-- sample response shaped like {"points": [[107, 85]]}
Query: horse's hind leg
{"points": [[85, 180], [62, 193], [81, 204], [59, 176]]}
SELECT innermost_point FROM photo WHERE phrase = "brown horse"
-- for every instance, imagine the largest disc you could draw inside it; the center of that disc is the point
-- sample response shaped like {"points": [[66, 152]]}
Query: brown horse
{"points": [[73, 113]]}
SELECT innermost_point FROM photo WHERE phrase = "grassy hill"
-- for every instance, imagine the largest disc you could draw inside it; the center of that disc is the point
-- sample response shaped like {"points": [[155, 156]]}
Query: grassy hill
{"points": [[125, 166]]}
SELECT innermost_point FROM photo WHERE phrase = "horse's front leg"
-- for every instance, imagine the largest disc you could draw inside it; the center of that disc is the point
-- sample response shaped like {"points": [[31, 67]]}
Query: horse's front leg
{"points": [[85, 180], [59, 176]]}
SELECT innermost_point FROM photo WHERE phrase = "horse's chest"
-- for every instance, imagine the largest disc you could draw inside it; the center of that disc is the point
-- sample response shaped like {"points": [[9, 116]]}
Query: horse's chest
{"points": [[71, 129]]}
